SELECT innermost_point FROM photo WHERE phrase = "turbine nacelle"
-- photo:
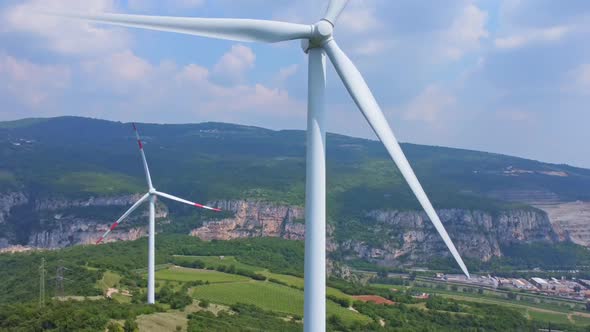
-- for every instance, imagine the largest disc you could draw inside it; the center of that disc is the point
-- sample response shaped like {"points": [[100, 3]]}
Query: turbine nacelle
{"points": [[321, 33]]}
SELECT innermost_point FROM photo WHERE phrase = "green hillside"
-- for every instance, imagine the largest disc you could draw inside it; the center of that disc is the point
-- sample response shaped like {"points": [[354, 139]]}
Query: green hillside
{"points": [[78, 157], [233, 288]]}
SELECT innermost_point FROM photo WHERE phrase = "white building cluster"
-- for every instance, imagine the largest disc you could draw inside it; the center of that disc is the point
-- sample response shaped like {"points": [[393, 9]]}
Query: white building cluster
{"points": [[578, 289]]}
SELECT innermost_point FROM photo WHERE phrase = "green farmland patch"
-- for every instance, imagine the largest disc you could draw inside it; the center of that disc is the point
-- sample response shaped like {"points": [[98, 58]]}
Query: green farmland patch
{"points": [[268, 296], [185, 275]]}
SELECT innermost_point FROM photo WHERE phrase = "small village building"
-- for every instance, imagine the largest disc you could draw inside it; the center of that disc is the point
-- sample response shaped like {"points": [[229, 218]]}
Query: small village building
{"points": [[540, 283]]}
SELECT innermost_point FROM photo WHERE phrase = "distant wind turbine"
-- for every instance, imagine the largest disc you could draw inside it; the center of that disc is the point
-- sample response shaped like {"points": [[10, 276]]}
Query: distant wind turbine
{"points": [[151, 197], [317, 41]]}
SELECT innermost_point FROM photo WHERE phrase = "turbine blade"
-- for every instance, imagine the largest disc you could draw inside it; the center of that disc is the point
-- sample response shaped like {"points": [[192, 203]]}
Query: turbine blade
{"points": [[125, 215], [178, 199], [335, 8], [360, 92], [143, 159], [245, 30]]}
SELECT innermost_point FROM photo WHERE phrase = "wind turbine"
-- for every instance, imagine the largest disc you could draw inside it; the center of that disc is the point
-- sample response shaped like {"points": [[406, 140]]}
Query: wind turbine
{"points": [[317, 42], [151, 197]]}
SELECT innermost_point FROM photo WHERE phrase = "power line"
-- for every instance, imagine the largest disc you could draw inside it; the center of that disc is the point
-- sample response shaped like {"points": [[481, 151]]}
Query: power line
{"points": [[59, 282], [59, 279], [42, 283]]}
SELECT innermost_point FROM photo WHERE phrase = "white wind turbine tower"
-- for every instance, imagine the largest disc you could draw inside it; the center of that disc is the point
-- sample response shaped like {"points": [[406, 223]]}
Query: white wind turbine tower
{"points": [[151, 197], [317, 41]]}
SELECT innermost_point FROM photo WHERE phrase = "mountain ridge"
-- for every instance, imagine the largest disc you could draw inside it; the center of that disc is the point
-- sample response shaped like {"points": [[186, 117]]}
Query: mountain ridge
{"points": [[80, 159], [25, 122]]}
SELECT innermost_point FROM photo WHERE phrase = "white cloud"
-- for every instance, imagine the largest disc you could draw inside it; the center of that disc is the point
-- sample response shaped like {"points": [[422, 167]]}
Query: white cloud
{"points": [[66, 36], [120, 66], [170, 4], [530, 36], [429, 104], [515, 115], [235, 102], [578, 80], [359, 17], [187, 3], [285, 73], [363, 30], [135, 87], [583, 77], [193, 73], [372, 47], [465, 33], [234, 64], [120, 73], [32, 84], [257, 100]]}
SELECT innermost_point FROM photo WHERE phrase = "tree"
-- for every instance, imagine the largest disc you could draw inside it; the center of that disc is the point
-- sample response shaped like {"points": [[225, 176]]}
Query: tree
{"points": [[130, 326], [204, 304], [114, 327]]}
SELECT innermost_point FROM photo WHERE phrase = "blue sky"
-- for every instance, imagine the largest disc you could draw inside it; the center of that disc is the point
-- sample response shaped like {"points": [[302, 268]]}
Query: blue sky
{"points": [[507, 76]]}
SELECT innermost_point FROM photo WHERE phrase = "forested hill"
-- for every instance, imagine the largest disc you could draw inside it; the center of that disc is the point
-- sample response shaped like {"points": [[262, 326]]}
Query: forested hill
{"points": [[75, 157], [64, 180]]}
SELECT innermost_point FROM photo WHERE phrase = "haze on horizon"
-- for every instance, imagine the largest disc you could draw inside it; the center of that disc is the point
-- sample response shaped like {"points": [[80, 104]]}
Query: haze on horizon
{"points": [[510, 76]]}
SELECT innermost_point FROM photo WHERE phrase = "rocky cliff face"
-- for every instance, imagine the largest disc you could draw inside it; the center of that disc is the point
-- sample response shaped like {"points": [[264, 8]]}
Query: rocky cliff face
{"points": [[62, 222], [9, 201], [55, 204], [254, 219], [571, 220], [409, 235], [74, 231], [396, 236]]}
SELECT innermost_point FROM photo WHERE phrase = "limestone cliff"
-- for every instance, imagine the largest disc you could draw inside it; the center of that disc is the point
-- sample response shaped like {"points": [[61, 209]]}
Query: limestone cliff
{"points": [[254, 219], [409, 235], [60, 222], [395, 237], [8, 201], [74, 231]]}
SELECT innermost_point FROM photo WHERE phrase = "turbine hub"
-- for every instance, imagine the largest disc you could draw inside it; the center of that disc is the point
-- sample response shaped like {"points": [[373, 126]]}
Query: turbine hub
{"points": [[322, 32], [152, 191]]}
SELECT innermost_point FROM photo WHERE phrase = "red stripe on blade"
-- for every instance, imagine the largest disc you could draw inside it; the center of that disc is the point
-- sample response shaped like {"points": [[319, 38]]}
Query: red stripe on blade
{"points": [[99, 240], [114, 225], [140, 144], [207, 207]]}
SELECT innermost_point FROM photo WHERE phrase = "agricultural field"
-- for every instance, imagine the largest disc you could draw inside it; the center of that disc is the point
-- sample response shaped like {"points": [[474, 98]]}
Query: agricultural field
{"points": [[581, 320], [268, 296], [263, 294], [228, 289], [253, 291], [216, 261], [543, 313], [162, 321], [109, 280], [554, 312], [183, 274]]}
